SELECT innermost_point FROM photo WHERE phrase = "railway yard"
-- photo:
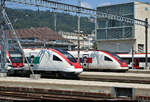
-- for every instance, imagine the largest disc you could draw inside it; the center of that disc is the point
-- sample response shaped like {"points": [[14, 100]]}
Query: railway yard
{"points": [[89, 65], [94, 86]]}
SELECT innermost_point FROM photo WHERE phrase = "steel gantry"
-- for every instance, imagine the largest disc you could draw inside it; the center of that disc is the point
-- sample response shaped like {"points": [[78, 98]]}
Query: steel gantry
{"points": [[3, 40], [81, 10], [4, 24], [77, 9]]}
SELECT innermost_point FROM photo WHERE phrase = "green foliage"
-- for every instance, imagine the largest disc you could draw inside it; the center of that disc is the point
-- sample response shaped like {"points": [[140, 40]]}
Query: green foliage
{"points": [[27, 18], [95, 46]]}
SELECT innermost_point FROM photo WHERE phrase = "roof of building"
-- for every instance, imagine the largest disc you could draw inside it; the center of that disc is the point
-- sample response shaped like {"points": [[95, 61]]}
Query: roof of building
{"points": [[41, 33], [121, 3]]}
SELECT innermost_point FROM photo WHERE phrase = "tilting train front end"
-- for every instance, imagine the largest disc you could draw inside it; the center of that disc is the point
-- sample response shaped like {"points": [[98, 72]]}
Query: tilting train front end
{"points": [[100, 60], [58, 60], [53, 60]]}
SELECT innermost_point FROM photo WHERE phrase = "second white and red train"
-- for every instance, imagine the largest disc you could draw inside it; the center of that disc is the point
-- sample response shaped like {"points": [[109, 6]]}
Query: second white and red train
{"points": [[100, 60]]}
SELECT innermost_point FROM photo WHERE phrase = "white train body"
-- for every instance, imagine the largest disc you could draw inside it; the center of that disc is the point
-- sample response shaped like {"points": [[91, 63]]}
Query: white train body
{"points": [[139, 60], [54, 61], [101, 60]]}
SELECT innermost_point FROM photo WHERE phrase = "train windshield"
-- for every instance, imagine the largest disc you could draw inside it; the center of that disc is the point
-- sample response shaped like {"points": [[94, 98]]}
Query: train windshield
{"points": [[67, 55], [16, 57], [116, 56]]}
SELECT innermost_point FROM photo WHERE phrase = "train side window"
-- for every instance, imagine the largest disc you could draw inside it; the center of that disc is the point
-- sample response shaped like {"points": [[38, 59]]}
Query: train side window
{"points": [[142, 59], [107, 59], [55, 58], [148, 59]]}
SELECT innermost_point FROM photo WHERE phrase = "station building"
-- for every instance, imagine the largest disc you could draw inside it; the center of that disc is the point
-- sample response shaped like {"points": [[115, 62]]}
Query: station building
{"points": [[86, 40], [120, 37], [41, 37]]}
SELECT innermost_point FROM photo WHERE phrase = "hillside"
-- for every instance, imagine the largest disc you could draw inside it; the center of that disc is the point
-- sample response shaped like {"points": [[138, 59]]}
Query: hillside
{"points": [[27, 18]]}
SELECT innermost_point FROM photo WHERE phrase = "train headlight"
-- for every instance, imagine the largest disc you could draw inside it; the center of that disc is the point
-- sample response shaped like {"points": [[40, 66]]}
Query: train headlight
{"points": [[124, 64]]}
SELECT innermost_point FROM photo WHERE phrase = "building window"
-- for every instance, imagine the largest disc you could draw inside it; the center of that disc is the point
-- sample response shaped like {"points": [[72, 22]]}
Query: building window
{"points": [[140, 47], [146, 9], [113, 29]]}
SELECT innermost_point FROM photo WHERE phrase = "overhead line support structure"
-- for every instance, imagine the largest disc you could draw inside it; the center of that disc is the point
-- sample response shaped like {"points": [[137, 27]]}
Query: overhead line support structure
{"points": [[6, 23], [79, 3], [3, 41], [78, 9]]}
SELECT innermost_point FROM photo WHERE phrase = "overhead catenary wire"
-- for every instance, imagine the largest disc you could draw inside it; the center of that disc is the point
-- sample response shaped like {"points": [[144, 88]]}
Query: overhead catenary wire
{"points": [[78, 9]]}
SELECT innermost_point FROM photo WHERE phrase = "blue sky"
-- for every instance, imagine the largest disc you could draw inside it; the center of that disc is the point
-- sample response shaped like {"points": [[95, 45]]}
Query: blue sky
{"points": [[84, 3]]}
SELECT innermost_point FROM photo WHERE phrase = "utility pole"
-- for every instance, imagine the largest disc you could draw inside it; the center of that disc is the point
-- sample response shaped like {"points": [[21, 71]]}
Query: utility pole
{"points": [[96, 27], [4, 42], [146, 43], [133, 56], [55, 21], [79, 4]]}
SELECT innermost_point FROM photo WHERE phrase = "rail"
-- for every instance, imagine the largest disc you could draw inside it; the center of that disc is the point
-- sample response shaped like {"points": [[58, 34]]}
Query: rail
{"points": [[11, 93]]}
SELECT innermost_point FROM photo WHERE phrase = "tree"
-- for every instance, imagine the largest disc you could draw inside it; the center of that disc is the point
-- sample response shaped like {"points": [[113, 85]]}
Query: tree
{"points": [[21, 18], [95, 46]]}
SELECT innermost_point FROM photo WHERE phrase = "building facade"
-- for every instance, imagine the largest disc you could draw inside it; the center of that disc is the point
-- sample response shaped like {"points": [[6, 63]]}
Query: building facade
{"points": [[117, 36], [42, 37], [86, 40]]}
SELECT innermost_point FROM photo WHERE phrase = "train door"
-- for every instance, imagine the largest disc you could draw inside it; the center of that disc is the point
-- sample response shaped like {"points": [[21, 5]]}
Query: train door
{"points": [[85, 58], [45, 61], [136, 63], [97, 60], [108, 62], [58, 62]]}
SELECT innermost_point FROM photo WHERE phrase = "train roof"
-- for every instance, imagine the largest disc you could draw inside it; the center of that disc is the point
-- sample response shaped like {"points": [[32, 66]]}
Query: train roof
{"points": [[137, 55]]}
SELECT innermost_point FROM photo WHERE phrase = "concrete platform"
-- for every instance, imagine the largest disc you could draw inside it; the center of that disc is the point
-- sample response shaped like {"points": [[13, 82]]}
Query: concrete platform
{"points": [[116, 77], [146, 71], [77, 87]]}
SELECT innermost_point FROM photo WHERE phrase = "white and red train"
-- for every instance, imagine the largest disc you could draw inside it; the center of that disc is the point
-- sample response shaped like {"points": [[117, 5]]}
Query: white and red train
{"points": [[51, 60], [100, 60], [62, 62], [138, 58], [14, 57]]}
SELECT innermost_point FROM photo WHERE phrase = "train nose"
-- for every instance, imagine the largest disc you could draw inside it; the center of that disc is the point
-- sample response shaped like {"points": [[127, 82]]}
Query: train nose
{"points": [[78, 71], [77, 65], [124, 64]]}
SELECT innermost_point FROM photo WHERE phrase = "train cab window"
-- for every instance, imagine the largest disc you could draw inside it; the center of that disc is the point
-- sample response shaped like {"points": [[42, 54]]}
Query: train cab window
{"points": [[8, 61], [107, 59], [55, 58]]}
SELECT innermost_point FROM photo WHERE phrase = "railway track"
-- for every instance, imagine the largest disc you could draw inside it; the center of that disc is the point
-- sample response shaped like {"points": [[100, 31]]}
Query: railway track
{"points": [[38, 97], [22, 90]]}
